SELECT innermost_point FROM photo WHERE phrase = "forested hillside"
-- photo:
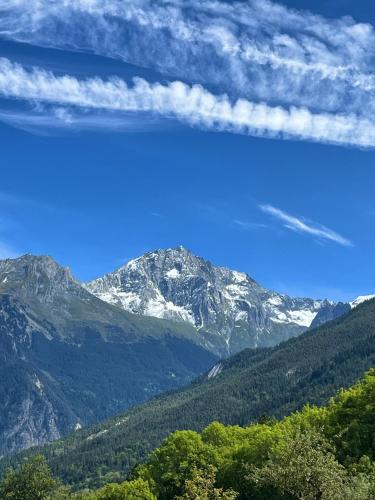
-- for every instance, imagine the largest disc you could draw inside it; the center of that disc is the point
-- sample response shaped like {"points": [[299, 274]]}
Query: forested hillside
{"points": [[252, 385], [324, 453]]}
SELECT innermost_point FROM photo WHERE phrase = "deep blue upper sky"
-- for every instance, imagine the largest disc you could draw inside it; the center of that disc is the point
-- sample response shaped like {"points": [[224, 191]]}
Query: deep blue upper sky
{"points": [[361, 11], [94, 199]]}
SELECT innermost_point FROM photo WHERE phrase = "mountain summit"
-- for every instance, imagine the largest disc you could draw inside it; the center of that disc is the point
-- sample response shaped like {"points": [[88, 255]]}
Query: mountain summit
{"points": [[228, 308], [39, 277]]}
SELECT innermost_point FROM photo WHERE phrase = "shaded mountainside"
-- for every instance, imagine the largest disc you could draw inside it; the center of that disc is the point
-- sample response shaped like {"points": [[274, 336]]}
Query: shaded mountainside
{"points": [[229, 309], [68, 359], [330, 312], [239, 390]]}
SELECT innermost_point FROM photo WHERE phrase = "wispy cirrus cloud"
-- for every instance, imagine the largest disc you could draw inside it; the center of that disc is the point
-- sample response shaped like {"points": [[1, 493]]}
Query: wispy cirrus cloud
{"points": [[266, 70], [302, 225], [193, 105], [50, 120], [257, 49], [249, 226]]}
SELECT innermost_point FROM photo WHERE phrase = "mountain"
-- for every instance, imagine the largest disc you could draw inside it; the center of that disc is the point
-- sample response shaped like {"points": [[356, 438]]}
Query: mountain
{"points": [[229, 309], [359, 300], [248, 386], [329, 312], [68, 359]]}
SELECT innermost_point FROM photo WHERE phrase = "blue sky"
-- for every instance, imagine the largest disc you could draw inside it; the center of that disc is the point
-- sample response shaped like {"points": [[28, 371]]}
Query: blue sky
{"points": [[95, 171]]}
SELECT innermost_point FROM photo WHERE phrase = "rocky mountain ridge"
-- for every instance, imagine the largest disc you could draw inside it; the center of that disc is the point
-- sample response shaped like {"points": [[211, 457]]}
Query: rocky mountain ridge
{"points": [[229, 309]]}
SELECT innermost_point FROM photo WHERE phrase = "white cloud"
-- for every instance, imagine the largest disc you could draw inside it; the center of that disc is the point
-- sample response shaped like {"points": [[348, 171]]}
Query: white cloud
{"points": [[302, 226], [256, 49], [51, 120], [190, 104], [249, 225]]}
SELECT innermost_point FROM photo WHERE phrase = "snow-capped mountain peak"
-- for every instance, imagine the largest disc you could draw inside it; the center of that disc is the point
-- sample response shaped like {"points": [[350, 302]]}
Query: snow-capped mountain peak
{"points": [[228, 307], [360, 299]]}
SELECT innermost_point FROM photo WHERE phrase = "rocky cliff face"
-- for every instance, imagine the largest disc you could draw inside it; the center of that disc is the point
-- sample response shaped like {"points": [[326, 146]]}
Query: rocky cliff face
{"points": [[228, 308], [330, 312], [38, 277], [68, 359], [33, 411]]}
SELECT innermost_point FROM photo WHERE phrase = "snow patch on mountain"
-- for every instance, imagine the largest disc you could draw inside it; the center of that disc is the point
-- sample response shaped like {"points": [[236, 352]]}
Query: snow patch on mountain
{"points": [[166, 309], [173, 273], [360, 300], [239, 277], [129, 301], [303, 317]]}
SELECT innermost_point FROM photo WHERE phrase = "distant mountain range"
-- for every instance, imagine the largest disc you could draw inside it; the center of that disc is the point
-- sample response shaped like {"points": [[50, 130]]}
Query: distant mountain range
{"points": [[251, 385], [229, 309], [68, 359], [72, 355]]}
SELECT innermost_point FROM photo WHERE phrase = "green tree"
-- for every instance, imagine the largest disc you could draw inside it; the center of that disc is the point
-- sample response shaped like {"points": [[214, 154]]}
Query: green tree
{"points": [[138, 489], [303, 467], [174, 462], [60, 493], [351, 422], [31, 481], [252, 449], [201, 486]]}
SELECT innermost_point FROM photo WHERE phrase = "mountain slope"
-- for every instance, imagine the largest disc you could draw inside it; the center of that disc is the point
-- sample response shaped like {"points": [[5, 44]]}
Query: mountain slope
{"points": [[67, 359], [271, 381], [229, 309], [329, 312]]}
